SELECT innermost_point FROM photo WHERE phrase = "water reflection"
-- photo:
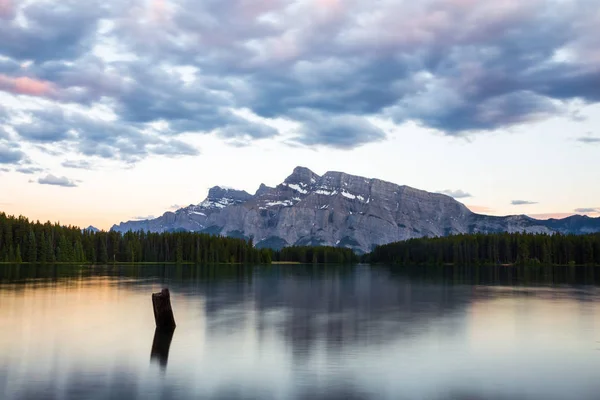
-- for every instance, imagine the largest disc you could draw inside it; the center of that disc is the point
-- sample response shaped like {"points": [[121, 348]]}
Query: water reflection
{"points": [[299, 332], [160, 346]]}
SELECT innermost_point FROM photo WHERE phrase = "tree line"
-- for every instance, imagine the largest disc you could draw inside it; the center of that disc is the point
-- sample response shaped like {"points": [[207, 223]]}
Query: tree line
{"points": [[316, 255], [22, 240], [492, 249]]}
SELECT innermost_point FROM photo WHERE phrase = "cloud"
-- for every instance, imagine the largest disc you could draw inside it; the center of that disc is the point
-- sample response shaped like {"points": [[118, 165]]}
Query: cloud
{"points": [[522, 202], [343, 132], [247, 129], [457, 194], [51, 33], [10, 155], [144, 217], [77, 164], [6, 9], [29, 170], [587, 210], [589, 139], [25, 85], [56, 181], [461, 67], [174, 147], [103, 138]]}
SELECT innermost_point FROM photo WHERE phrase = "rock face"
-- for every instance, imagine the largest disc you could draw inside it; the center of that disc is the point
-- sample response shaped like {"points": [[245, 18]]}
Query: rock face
{"points": [[339, 209]]}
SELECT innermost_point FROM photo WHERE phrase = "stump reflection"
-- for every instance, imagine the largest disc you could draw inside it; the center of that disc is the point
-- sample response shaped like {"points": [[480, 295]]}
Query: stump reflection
{"points": [[160, 346]]}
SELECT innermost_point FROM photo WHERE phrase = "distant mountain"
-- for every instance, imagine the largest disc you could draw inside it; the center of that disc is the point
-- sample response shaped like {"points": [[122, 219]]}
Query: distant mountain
{"points": [[339, 209], [91, 228]]}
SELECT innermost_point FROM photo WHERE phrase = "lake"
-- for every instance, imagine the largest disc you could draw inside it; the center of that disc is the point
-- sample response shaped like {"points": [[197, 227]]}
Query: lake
{"points": [[300, 332]]}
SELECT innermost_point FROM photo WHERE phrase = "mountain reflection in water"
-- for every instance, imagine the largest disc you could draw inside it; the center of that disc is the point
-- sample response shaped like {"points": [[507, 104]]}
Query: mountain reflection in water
{"points": [[299, 332]]}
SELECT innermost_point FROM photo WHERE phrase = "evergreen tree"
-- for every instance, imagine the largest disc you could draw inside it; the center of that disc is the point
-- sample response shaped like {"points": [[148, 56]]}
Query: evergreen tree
{"points": [[179, 251], [103, 252], [31, 247], [11, 253], [18, 258], [42, 248], [515, 248]]}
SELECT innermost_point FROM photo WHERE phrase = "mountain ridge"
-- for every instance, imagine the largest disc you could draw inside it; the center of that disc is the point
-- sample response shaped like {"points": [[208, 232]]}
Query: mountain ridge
{"points": [[340, 209]]}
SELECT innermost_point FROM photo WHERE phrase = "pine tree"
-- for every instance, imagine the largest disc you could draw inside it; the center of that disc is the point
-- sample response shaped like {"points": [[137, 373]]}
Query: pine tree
{"points": [[179, 250], [11, 253], [18, 258], [42, 248], [32, 248], [103, 252], [546, 256]]}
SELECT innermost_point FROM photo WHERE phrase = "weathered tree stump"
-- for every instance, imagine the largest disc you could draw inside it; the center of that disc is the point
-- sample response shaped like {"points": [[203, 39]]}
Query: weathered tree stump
{"points": [[163, 313]]}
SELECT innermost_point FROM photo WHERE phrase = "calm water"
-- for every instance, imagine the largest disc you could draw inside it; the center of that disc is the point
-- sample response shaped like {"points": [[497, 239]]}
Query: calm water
{"points": [[295, 332]]}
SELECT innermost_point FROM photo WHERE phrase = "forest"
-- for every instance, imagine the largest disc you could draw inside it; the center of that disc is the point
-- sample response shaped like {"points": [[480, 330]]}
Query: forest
{"points": [[316, 255], [492, 249], [22, 240]]}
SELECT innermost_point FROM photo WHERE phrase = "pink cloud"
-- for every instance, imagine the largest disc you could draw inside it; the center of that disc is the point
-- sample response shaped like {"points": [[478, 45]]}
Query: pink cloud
{"points": [[25, 85], [6, 9], [330, 5], [160, 11]]}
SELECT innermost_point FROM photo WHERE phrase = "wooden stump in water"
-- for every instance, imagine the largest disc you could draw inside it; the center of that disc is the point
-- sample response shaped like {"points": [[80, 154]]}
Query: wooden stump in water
{"points": [[163, 313]]}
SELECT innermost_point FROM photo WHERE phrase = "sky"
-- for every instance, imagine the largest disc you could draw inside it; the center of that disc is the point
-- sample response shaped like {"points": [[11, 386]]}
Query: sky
{"points": [[112, 110]]}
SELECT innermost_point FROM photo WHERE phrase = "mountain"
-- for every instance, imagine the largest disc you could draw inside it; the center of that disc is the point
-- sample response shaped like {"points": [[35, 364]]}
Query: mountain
{"points": [[91, 228], [339, 209]]}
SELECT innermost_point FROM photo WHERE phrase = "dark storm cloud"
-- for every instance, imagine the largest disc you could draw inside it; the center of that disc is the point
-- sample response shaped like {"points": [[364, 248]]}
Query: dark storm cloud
{"points": [[457, 194], [56, 181], [522, 202], [456, 66]]}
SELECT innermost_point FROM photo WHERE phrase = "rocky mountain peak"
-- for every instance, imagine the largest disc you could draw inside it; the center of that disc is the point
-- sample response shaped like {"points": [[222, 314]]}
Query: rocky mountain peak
{"points": [[218, 192], [339, 209], [302, 175], [221, 197], [263, 189]]}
